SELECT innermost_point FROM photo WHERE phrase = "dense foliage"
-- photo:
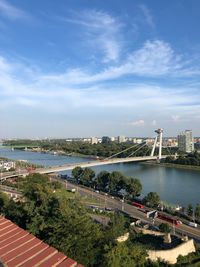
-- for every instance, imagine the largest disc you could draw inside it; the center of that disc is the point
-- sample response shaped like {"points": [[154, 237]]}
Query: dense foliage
{"points": [[78, 147], [189, 159], [114, 182], [152, 199], [65, 224], [62, 222]]}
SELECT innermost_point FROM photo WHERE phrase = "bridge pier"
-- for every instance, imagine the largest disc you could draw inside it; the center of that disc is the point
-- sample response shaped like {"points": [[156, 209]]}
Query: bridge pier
{"points": [[158, 138]]}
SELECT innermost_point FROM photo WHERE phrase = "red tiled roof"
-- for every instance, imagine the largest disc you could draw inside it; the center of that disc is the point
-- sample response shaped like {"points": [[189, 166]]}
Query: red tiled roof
{"points": [[18, 248]]}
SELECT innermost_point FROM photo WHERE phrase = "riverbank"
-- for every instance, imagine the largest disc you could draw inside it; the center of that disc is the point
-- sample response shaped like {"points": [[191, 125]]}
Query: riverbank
{"points": [[166, 181], [54, 152], [172, 165], [62, 153]]}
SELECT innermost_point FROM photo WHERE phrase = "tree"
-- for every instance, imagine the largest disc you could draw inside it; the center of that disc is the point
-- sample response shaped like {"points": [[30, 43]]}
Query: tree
{"points": [[152, 199], [3, 201], [75, 234], [116, 181], [190, 210], [15, 212], [133, 187], [165, 228], [122, 255], [37, 188], [86, 177], [102, 180], [116, 227], [76, 173], [197, 212]]}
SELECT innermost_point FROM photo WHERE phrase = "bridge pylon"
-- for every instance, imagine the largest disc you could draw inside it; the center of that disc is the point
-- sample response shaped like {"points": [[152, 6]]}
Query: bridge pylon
{"points": [[158, 139]]}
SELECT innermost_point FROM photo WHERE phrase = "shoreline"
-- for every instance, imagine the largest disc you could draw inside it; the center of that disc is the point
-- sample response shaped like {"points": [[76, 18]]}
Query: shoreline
{"points": [[173, 165]]}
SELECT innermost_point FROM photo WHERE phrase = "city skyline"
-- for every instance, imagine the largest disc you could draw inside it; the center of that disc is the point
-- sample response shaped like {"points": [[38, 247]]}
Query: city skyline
{"points": [[95, 69]]}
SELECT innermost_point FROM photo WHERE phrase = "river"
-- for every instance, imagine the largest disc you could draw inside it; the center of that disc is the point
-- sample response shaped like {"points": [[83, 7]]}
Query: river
{"points": [[176, 186]]}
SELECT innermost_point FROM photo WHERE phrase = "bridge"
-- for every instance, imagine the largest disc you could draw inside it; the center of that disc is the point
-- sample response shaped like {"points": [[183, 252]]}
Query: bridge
{"points": [[110, 160]]}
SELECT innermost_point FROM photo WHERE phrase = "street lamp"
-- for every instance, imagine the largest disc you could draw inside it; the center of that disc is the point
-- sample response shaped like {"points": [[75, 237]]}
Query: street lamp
{"points": [[174, 228], [105, 201], [123, 203]]}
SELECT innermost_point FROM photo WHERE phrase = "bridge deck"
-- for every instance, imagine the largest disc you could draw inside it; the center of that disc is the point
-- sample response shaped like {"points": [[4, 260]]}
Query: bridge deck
{"points": [[67, 167]]}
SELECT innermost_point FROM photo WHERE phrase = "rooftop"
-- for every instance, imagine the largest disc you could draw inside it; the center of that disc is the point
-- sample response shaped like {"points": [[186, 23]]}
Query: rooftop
{"points": [[19, 248]]}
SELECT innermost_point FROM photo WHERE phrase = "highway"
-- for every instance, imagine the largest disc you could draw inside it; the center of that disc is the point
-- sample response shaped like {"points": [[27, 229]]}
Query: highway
{"points": [[109, 202]]}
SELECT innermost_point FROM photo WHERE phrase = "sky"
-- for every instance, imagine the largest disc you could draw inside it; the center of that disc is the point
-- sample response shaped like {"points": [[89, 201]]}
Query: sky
{"points": [[74, 68]]}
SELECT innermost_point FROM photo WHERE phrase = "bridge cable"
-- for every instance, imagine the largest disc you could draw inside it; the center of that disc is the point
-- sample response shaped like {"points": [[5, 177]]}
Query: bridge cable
{"points": [[137, 150], [122, 151], [169, 151], [147, 150]]}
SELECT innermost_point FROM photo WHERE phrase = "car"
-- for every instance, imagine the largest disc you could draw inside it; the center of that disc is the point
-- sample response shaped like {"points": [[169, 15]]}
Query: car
{"points": [[193, 224]]}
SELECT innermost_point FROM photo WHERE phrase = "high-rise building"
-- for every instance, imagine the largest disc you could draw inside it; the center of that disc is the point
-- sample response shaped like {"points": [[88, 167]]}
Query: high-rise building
{"points": [[121, 139], [185, 141], [106, 140]]}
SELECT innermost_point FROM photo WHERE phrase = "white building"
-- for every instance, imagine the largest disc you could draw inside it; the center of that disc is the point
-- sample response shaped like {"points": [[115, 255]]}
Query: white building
{"points": [[94, 140], [7, 165], [121, 139], [186, 142]]}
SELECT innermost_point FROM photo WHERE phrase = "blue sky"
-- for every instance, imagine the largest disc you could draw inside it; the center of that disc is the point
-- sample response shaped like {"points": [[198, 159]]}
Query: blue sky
{"points": [[93, 68]]}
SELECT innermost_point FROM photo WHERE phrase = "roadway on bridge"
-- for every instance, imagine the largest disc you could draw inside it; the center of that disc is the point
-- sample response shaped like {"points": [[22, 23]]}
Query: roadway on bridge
{"points": [[67, 167]]}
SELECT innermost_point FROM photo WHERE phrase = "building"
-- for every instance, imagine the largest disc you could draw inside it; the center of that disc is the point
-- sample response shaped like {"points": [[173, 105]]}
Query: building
{"points": [[185, 141], [94, 140], [7, 165], [121, 139], [106, 140], [19, 248]]}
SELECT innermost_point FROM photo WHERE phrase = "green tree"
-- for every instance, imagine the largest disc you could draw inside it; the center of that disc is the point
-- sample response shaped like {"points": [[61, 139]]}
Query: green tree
{"points": [[15, 212], [122, 255], [190, 210], [197, 212], [133, 187], [116, 227], [165, 228], [76, 235], [87, 176], [116, 181], [76, 172], [3, 201], [103, 180], [152, 199]]}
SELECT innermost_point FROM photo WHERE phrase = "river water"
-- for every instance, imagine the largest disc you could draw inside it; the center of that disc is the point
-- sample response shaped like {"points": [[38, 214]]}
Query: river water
{"points": [[176, 186]]}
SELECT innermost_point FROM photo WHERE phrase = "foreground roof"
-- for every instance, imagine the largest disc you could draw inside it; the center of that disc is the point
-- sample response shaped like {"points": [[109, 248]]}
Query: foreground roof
{"points": [[19, 248]]}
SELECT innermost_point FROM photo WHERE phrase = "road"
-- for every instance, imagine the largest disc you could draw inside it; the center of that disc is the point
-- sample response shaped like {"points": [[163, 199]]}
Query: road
{"points": [[109, 202]]}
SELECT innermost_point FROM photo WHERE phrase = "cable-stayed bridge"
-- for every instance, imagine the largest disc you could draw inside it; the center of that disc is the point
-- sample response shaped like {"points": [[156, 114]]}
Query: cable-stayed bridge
{"points": [[114, 159]]}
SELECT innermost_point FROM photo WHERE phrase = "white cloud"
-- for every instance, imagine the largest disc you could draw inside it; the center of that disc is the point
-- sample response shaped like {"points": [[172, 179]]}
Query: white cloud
{"points": [[25, 86], [137, 123], [153, 59], [102, 32], [147, 15], [175, 118], [11, 11]]}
